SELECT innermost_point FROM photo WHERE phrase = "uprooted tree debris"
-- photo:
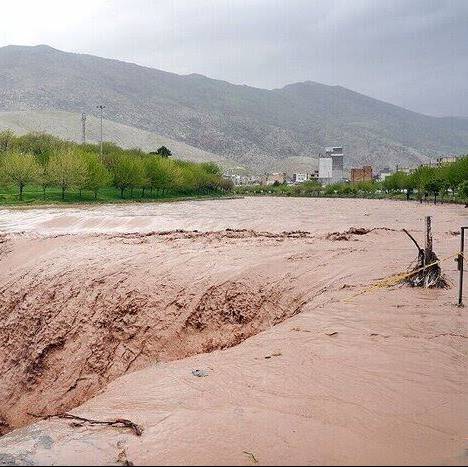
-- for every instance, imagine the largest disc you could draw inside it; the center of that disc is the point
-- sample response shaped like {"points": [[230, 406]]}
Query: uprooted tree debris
{"points": [[427, 272], [81, 421]]}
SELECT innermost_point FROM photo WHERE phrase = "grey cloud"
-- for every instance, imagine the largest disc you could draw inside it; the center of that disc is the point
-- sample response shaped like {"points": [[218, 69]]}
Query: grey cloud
{"points": [[409, 52]]}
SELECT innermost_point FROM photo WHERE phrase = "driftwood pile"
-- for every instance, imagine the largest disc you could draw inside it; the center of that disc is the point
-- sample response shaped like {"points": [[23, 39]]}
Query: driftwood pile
{"points": [[427, 272]]}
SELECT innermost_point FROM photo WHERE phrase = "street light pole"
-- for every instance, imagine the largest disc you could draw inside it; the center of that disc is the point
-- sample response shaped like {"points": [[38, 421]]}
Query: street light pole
{"points": [[101, 107], [83, 128]]}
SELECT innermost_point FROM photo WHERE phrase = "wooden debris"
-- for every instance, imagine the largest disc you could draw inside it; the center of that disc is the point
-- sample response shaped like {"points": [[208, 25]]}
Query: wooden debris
{"points": [[251, 456], [118, 423], [276, 354], [427, 272], [122, 457]]}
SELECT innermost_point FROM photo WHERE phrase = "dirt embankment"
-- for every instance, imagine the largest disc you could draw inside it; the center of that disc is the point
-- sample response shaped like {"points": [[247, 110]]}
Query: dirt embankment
{"points": [[75, 317], [351, 378]]}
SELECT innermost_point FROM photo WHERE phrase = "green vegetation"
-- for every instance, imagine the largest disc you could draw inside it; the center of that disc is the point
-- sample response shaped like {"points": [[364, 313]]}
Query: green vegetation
{"points": [[38, 168], [444, 182], [163, 152], [449, 182]]}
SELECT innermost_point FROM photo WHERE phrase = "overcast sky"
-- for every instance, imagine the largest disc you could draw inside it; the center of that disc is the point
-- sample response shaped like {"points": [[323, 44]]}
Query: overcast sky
{"points": [[412, 53]]}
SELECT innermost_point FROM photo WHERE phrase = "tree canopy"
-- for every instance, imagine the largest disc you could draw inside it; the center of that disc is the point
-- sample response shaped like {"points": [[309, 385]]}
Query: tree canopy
{"points": [[43, 160]]}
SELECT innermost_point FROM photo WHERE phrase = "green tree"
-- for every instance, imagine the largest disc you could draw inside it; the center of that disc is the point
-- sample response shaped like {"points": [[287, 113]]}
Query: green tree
{"points": [[211, 168], [160, 174], [128, 173], [434, 186], [395, 182], [455, 173], [66, 169], [365, 187], [421, 178], [7, 141], [308, 188], [44, 180], [463, 191], [163, 152], [408, 184], [97, 175], [42, 145], [20, 170]]}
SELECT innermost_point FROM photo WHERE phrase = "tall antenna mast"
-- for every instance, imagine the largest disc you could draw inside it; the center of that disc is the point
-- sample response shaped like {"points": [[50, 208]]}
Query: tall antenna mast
{"points": [[100, 107], [83, 128]]}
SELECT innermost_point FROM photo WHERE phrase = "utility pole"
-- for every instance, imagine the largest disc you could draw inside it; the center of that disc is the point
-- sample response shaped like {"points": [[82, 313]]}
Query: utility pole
{"points": [[83, 128], [460, 258], [101, 107]]}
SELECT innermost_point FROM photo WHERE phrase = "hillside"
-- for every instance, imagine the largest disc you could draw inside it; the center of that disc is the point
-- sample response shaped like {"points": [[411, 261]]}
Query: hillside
{"points": [[67, 125], [262, 129]]}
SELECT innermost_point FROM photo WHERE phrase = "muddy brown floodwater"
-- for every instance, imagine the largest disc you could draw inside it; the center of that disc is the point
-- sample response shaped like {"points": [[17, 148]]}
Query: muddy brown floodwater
{"points": [[108, 311]]}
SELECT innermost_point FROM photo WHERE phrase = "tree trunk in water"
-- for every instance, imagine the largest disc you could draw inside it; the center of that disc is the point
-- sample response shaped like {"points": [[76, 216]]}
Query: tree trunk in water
{"points": [[427, 272], [63, 193], [122, 193], [21, 192], [95, 195]]}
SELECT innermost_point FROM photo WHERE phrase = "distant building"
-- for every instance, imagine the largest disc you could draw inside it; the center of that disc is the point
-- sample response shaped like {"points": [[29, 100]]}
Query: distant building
{"points": [[336, 153], [331, 166], [406, 170], [446, 160], [325, 169], [304, 177], [300, 177], [270, 179], [242, 180], [363, 174], [384, 173]]}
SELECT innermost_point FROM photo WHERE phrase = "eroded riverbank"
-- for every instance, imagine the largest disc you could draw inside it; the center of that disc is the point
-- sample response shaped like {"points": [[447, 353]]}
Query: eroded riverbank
{"points": [[333, 377]]}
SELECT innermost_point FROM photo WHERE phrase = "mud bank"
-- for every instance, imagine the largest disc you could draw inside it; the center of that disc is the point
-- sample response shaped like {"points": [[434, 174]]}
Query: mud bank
{"points": [[297, 367], [126, 301]]}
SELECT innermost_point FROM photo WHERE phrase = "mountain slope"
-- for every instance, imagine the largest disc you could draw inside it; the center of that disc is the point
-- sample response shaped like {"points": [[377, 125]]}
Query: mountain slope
{"points": [[67, 125], [255, 127]]}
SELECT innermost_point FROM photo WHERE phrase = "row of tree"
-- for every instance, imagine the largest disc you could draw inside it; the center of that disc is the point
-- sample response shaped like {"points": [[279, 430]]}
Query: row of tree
{"points": [[447, 180], [38, 159]]}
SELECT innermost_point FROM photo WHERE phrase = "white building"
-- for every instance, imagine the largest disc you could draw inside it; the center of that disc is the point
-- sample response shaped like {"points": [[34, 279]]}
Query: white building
{"points": [[331, 166], [325, 169], [304, 177], [336, 154]]}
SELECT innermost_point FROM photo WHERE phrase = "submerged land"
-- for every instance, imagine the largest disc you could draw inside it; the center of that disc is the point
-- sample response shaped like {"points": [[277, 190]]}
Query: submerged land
{"points": [[107, 311]]}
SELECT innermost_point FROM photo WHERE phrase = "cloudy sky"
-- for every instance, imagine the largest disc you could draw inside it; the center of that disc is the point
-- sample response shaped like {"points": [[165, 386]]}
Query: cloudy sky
{"points": [[412, 53]]}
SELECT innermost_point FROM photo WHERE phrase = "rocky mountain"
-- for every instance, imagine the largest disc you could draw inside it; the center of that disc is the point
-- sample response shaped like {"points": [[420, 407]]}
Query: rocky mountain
{"points": [[259, 128]]}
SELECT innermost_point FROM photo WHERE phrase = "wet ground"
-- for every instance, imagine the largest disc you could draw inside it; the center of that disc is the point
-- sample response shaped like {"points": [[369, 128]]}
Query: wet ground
{"points": [[111, 309]]}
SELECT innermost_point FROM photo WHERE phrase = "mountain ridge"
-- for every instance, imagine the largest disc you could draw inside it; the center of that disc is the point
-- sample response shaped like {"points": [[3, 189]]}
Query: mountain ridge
{"points": [[258, 128]]}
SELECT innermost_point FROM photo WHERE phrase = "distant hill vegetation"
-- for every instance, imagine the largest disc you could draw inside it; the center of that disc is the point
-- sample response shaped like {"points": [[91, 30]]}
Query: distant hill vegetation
{"points": [[67, 125], [261, 129]]}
